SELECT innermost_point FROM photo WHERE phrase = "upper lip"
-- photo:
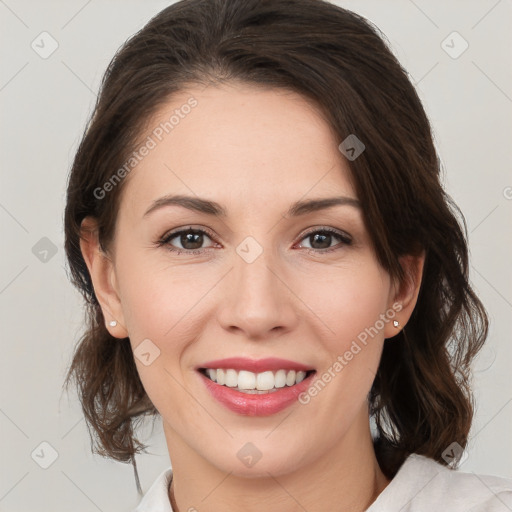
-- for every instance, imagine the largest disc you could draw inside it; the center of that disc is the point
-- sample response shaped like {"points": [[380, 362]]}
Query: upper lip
{"points": [[255, 365]]}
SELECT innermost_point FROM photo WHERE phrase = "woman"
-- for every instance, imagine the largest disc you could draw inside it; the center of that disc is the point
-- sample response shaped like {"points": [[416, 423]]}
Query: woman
{"points": [[255, 219]]}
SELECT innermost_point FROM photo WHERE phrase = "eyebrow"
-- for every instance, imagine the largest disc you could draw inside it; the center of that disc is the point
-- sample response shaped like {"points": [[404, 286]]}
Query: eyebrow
{"points": [[215, 209]]}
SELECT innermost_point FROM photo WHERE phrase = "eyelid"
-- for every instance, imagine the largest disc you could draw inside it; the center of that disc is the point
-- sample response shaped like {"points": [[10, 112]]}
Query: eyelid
{"points": [[175, 232], [338, 232]]}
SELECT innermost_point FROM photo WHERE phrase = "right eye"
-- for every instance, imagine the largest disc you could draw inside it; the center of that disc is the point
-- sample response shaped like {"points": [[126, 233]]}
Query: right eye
{"points": [[190, 240]]}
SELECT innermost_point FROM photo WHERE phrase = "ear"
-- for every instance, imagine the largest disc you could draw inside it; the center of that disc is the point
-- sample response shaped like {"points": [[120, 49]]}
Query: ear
{"points": [[404, 295], [102, 272]]}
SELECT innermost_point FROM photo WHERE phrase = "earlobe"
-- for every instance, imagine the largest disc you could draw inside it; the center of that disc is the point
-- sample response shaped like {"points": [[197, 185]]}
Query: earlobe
{"points": [[102, 270], [406, 292]]}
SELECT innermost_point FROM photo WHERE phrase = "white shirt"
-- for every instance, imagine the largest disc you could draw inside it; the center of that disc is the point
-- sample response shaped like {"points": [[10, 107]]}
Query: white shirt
{"points": [[420, 485]]}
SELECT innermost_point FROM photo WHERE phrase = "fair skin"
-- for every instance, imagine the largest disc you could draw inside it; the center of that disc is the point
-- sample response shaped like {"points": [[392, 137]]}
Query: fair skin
{"points": [[255, 151]]}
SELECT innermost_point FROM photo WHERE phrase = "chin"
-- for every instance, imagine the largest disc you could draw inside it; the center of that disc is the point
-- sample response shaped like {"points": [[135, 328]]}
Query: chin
{"points": [[250, 462]]}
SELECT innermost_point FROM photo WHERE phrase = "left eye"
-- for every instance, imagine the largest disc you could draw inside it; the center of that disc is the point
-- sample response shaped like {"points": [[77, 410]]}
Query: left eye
{"points": [[324, 237], [191, 240]]}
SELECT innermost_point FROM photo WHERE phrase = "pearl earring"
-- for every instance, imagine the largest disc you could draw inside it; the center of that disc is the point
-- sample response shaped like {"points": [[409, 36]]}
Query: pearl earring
{"points": [[395, 323], [113, 323]]}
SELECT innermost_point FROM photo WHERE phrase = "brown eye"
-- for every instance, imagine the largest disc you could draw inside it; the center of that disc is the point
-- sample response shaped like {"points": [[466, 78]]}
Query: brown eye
{"points": [[188, 240], [321, 240], [191, 240]]}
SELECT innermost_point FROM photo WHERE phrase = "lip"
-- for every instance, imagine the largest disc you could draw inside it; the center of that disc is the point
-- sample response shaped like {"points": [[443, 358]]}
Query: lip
{"points": [[255, 365], [254, 404]]}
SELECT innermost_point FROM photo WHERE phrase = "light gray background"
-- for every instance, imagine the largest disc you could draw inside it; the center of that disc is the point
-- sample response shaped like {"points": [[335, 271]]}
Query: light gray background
{"points": [[44, 107]]}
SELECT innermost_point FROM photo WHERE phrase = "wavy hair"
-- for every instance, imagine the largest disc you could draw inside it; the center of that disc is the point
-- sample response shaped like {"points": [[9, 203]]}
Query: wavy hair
{"points": [[421, 398]]}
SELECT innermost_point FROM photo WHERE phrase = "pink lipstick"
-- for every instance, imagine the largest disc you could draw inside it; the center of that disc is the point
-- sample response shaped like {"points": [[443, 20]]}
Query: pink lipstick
{"points": [[269, 385]]}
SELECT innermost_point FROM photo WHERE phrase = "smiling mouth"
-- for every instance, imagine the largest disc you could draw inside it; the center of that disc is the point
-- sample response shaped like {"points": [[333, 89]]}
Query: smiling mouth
{"points": [[255, 383]]}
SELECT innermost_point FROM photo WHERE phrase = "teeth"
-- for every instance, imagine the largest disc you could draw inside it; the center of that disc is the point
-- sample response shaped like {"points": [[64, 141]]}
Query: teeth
{"points": [[254, 382], [265, 381], [231, 379], [280, 378], [246, 380], [290, 378]]}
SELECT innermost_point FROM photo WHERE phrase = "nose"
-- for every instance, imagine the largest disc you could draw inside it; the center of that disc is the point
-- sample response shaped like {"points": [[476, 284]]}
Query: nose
{"points": [[257, 301]]}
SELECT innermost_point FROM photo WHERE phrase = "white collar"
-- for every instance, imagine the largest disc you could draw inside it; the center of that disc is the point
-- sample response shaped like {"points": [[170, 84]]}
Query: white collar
{"points": [[420, 483]]}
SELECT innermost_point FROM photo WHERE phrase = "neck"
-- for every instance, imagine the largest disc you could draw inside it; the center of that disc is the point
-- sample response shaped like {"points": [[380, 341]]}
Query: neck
{"points": [[345, 478]]}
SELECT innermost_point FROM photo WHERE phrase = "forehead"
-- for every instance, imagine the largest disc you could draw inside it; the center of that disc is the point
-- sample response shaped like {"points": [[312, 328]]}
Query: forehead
{"points": [[241, 145]]}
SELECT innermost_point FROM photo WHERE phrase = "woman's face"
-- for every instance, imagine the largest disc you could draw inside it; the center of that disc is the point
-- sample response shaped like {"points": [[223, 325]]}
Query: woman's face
{"points": [[254, 283]]}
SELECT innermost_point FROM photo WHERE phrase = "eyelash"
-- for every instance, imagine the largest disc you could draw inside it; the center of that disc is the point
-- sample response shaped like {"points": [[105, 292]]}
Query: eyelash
{"points": [[165, 240]]}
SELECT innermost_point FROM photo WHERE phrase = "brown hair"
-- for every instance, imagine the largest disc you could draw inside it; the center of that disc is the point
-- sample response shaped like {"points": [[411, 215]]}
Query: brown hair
{"points": [[421, 398]]}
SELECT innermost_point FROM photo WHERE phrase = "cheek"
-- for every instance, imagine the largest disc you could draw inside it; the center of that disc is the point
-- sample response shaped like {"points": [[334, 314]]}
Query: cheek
{"points": [[155, 295], [352, 305], [348, 301], [157, 302]]}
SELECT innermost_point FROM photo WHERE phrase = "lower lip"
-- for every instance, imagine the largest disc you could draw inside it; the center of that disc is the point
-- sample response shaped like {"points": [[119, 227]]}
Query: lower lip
{"points": [[256, 404]]}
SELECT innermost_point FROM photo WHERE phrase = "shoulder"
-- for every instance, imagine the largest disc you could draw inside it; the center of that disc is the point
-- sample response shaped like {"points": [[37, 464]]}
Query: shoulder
{"points": [[467, 491], [422, 483]]}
